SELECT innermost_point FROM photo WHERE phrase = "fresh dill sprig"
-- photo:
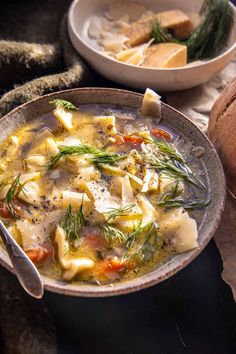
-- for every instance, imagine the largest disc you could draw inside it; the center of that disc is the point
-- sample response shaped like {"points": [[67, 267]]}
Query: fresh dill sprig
{"points": [[70, 150], [59, 103], [213, 32], [171, 199], [116, 212], [97, 156], [103, 157], [166, 148], [12, 193], [112, 234], [160, 35], [173, 169], [144, 249], [178, 203], [73, 222], [173, 193], [169, 161]]}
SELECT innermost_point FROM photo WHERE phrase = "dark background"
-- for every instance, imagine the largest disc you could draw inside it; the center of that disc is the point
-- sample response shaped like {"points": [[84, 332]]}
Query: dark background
{"points": [[191, 313]]}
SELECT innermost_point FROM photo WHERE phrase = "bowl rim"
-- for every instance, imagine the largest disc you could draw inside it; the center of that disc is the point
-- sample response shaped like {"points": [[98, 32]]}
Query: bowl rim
{"points": [[125, 287], [71, 26]]}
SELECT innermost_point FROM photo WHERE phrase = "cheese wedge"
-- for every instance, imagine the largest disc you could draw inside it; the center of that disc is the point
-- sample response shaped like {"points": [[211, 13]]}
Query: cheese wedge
{"points": [[140, 32], [165, 55]]}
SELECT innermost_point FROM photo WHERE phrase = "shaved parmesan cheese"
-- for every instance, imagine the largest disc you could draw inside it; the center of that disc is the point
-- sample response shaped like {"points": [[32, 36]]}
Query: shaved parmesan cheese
{"points": [[64, 117], [113, 170], [149, 213], [51, 146], [118, 171], [30, 234], [25, 177], [107, 124], [103, 201], [30, 193], [181, 230], [34, 162], [76, 163], [74, 199], [115, 43], [35, 234], [150, 181], [94, 28], [3, 191], [86, 174], [127, 192], [116, 185], [151, 105], [133, 55]]}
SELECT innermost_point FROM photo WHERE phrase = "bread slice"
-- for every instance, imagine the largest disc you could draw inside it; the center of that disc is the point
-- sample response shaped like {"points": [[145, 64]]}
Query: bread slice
{"points": [[222, 132]]}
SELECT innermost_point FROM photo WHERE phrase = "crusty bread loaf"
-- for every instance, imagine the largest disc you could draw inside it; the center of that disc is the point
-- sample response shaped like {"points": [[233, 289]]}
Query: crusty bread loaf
{"points": [[222, 132]]}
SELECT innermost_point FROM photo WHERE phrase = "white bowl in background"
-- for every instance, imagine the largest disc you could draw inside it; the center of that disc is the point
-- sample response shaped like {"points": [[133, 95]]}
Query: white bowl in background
{"points": [[172, 79]]}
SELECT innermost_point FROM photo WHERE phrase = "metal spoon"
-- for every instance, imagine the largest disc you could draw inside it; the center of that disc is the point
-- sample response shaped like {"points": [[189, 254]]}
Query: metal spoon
{"points": [[25, 270]]}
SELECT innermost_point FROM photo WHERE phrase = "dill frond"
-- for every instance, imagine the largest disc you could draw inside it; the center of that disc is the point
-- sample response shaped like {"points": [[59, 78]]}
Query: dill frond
{"points": [[12, 193], [106, 158], [169, 161], [73, 222], [112, 234], [63, 104], [213, 32], [97, 156], [171, 199], [180, 203], [166, 148], [115, 212], [175, 171], [160, 35], [143, 244]]}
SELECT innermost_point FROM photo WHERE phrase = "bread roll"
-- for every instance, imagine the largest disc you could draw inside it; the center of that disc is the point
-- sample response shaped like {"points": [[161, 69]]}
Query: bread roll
{"points": [[222, 132]]}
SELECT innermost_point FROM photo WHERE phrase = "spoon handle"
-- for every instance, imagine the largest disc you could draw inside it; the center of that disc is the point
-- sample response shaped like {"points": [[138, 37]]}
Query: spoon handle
{"points": [[24, 269]]}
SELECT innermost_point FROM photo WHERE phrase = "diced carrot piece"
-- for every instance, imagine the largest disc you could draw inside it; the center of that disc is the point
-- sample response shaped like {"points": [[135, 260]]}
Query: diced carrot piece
{"points": [[161, 133], [4, 211], [40, 254], [112, 265], [133, 139]]}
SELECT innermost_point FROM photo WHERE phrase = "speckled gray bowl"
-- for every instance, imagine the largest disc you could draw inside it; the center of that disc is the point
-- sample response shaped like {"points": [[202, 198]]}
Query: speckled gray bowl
{"points": [[210, 217]]}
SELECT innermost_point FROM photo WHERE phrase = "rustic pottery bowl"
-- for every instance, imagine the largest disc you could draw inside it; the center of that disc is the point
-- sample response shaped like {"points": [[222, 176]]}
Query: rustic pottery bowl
{"points": [[173, 79], [207, 222]]}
